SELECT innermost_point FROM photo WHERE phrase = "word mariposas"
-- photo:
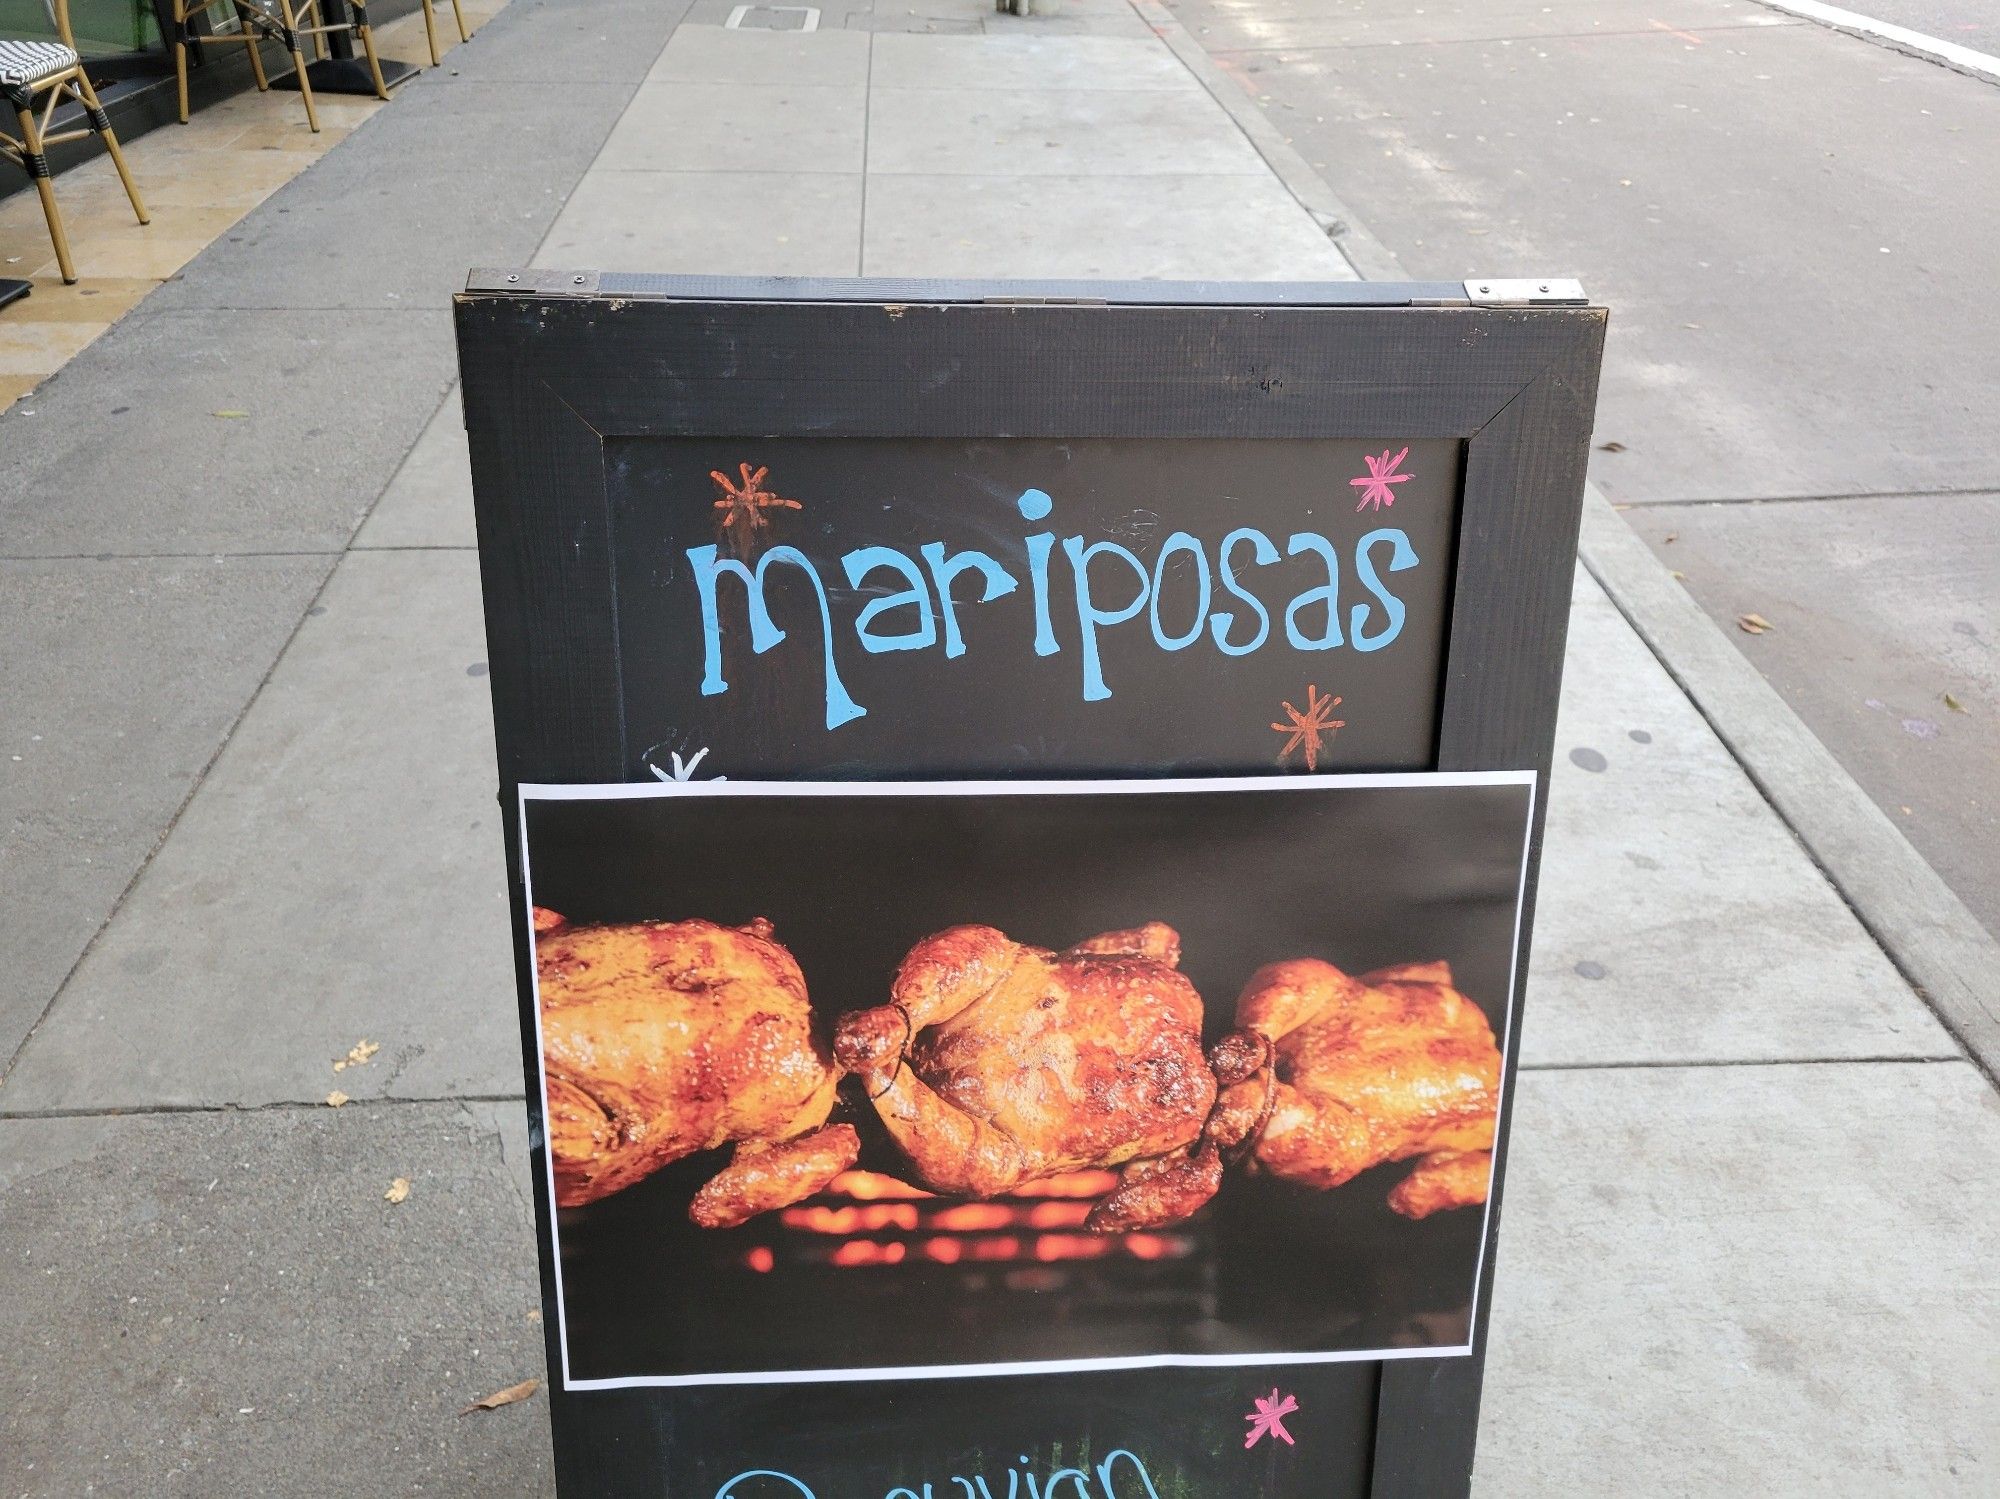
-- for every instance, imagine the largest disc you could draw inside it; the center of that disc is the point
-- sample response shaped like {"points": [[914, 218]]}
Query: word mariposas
{"points": [[1110, 584], [1102, 1482]]}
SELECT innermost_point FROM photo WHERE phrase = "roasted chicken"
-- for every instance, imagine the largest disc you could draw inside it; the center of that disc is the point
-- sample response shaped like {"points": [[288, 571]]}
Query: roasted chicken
{"points": [[662, 1038], [1358, 1072], [996, 1063]]}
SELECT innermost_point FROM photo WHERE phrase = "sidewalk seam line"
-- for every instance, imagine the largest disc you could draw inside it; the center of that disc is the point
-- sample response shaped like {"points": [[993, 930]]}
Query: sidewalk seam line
{"points": [[1525, 40], [273, 1106], [386, 546], [867, 153], [1972, 491], [1697, 1064]]}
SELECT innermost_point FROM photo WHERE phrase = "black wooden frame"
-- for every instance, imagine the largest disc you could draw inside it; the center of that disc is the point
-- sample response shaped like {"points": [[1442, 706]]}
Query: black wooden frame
{"points": [[556, 364]]}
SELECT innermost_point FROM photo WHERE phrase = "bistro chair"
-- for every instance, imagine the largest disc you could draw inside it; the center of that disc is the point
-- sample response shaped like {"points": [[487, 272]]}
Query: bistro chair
{"points": [[36, 77], [286, 22], [431, 27]]}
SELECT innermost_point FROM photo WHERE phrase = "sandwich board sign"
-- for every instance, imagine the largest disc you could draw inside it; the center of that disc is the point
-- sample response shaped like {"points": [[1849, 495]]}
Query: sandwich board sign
{"points": [[1022, 812]]}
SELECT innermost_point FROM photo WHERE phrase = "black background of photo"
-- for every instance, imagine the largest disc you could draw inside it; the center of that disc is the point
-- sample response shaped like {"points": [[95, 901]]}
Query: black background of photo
{"points": [[1361, 876]]}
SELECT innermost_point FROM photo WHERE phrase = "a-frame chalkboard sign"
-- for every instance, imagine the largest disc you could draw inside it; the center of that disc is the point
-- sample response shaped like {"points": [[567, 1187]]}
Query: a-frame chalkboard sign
{"points": [[1023, 803]]}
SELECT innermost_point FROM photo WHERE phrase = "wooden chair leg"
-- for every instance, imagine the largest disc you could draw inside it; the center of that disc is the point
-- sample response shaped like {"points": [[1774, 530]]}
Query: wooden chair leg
{"points": [[431, 31], [252, 35], [458, 14], [101, 123], [181, 74], [367, 34], [305, 86], [38, 169]]}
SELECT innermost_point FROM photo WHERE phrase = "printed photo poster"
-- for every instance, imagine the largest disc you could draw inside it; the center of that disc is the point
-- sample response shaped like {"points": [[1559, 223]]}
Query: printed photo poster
{"points": [[1115, 1121]]}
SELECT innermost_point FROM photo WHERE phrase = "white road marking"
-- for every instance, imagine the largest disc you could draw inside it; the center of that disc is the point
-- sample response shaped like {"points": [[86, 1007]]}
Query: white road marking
{"points": [[1902, 36]]}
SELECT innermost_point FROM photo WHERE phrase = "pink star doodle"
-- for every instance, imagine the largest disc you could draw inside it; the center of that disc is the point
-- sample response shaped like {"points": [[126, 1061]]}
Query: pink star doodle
{"points": [[1269, 1419], [1374, 485]]}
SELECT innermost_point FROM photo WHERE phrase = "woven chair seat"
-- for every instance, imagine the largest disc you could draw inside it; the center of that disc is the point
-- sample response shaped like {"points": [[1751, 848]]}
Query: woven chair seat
{"points": [[23, 63]]}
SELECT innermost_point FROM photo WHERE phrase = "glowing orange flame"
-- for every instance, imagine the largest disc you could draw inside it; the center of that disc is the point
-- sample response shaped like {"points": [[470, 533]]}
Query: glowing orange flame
{"points": [[1070, 1184], [975, 1216], [1058, 1214], [868, 1252], [1072, 1247], [871, 1186], [760, 1259], [944, 1251], [1005, 1248], [852, 1220]]}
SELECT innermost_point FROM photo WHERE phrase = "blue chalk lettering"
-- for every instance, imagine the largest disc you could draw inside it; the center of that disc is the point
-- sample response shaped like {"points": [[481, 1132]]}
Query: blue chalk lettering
{"points": [[1089, 617], [862, 561], [1180, 541], [1328, 593], [1264, 553], [1104, 1474], [1038, 576], [945, 567], [1402, 557], [764, 632]]}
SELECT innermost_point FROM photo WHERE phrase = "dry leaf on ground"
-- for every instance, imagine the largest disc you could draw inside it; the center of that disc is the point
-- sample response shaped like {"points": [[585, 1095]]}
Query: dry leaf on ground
{"points": [[1953, 703], [508, 1396], [1752, 624], [335, 1099], [362, 1051], [398, 1190]]}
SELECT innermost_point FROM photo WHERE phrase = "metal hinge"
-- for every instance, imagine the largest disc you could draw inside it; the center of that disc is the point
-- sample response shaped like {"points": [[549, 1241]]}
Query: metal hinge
{"points": [[1548, 291], [536, 283]]}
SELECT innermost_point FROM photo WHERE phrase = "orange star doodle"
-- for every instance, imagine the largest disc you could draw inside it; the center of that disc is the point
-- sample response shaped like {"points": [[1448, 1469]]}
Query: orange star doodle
{"points": [[743, 504], [1309, 728]]}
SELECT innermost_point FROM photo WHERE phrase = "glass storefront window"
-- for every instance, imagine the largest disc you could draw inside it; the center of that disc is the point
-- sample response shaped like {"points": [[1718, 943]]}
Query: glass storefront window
{"points": [[102, 27]]}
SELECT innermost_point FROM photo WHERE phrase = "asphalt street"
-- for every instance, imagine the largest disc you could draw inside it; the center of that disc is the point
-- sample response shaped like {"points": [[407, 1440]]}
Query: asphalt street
{"points": [[1967, 23], [1794, 229]]}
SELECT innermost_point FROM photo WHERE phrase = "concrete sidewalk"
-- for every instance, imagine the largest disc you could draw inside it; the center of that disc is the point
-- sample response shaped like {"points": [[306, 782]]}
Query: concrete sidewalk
{"points": [[250, 822]]}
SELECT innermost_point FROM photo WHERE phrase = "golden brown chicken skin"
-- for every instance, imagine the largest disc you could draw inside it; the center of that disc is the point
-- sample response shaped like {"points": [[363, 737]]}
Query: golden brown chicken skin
{"points": [[663, 1038], [997, 1063], [1392, 1065]]}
